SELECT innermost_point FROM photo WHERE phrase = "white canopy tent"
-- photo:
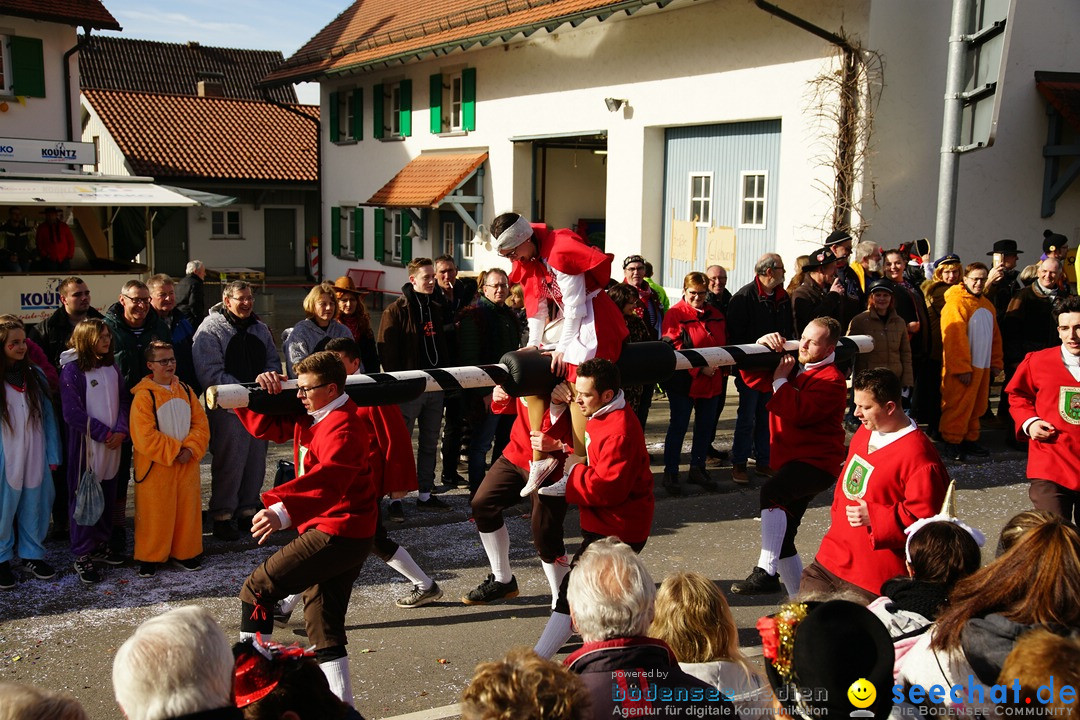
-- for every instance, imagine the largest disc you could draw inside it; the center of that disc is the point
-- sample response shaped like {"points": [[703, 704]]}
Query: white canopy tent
{"points": [[61, 190]]}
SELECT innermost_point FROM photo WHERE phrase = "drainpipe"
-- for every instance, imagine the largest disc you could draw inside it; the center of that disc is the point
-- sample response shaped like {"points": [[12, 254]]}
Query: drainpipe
{"points": [[83, 40], [318, 169], [846, 141]]}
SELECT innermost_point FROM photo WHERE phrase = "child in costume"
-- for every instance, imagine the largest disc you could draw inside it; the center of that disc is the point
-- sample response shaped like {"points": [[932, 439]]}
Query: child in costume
{"points": [[95, 406], [558, 267], [29, 451], [169, 432]]}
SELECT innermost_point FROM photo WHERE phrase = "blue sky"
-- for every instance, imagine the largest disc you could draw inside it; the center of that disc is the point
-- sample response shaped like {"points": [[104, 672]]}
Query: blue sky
{"points": [[282, 25]]}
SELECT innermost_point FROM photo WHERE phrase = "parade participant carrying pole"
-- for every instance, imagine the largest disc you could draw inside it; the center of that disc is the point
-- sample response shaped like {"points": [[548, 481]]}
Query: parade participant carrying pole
{"points": [[521, 373]]}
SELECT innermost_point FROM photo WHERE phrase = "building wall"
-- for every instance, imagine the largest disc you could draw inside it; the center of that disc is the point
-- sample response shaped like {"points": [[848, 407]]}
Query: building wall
{"points": [[42, 118], [249, 251], [1000, 187], [110, 159], [700, 63]]}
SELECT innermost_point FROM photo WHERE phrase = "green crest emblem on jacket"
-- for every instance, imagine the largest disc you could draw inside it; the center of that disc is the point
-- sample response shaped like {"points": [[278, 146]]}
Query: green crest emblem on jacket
{"points": [[1069, 404], [856, 477]]}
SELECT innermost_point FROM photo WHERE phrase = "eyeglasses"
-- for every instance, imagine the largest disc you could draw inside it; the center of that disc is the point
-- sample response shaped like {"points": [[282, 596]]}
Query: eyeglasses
{"points": [[498, 286], [634, 268], [242, 298], [138, 300], [303, 391], [697, 293], [164, 361]]}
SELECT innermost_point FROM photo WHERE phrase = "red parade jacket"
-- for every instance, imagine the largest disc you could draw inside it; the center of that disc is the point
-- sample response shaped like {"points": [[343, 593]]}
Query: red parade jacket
{"points": [[1042, 387]]}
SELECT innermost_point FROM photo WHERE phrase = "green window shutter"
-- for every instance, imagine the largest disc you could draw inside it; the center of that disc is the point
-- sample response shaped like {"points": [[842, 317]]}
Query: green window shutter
{"points": [[27, 66], [406, 238], [358, 114], [335, 231], [334, 120], [468, 99], [380, 234], [405, 116], [435, 91], [377, 119], [358, 233]]}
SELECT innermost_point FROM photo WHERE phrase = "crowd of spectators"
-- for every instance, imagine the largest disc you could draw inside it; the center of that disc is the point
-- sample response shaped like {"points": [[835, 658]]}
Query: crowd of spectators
{"points": [[100, 395]]}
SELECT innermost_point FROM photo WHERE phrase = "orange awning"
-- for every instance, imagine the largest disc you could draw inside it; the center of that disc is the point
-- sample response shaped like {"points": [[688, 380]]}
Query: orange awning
{"points": [[427, 180]]}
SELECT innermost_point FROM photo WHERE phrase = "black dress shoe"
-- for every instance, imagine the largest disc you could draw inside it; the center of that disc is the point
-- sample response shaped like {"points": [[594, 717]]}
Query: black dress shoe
{"points": [[954, 451], [973, 448]]}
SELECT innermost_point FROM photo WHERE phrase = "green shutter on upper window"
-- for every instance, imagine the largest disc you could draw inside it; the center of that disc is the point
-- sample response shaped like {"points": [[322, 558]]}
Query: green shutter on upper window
{"points": [[358, 233], [435, 92], [335, 231], [335, 121], [468, 99], [377, 119], [380, 234], [406, 238], [405, 115], [357, 129], [27, 66]]}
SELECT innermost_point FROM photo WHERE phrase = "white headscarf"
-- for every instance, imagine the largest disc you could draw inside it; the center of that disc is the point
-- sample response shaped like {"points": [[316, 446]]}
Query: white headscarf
{"points": [[514, 235]]}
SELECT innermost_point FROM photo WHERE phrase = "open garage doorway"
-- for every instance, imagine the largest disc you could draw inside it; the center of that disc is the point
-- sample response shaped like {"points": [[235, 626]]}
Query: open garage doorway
{"points": [[568, 181]]}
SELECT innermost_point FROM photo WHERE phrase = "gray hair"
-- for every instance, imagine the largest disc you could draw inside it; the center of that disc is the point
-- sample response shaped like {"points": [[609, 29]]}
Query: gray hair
{"points": [[864, 250], [611, 593], [174, 664], [1052, 259], [766, 263], [234, 287], [134, 285], [193, 266]]}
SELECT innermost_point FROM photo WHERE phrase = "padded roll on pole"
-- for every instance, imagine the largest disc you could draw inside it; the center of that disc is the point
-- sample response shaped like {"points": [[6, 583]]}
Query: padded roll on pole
{"points": [[522, 372]]}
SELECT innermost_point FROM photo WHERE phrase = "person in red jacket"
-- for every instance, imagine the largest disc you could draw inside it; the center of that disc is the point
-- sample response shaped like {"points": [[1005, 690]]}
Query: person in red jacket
{"points": [[55, 243], [693, 323], [806, 412], [559, 273], [331, 502], [394, 470], [612, 484], [893, 476], [1044, 399], [501, 489]]}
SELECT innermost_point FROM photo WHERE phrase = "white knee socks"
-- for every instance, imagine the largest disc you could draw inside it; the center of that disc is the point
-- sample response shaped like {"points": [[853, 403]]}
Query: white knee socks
{"points": [[557, 631], [497, 546], [337, 675], [402, 562], [773, 527], [790, 569], [555, 572]]}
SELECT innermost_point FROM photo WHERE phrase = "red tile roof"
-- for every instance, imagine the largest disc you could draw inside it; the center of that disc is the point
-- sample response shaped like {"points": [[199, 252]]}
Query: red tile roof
{"points": [[69, 12], [427, 179], [370, 32], [176, 136], [116, 63]]}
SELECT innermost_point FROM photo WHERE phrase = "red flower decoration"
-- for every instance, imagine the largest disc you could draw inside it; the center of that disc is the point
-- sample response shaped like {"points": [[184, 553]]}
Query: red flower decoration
{"points": [[770, 638]]}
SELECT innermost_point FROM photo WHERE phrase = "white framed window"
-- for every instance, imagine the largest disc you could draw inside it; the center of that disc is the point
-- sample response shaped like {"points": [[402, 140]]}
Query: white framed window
{"points": [[467, 246], [701, 184], [448, 238], [395, 110], [753, 198], [5, 66], [346, 111], [348, 231], [225, 224], [456, 98], [397, 235]]}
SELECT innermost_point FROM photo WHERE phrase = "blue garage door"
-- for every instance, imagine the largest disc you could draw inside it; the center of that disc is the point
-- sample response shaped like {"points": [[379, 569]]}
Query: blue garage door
{"points": [[722, 175]]}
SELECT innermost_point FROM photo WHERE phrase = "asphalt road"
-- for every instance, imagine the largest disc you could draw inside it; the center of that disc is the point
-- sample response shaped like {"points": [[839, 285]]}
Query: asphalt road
{"points": [[62, 635]]}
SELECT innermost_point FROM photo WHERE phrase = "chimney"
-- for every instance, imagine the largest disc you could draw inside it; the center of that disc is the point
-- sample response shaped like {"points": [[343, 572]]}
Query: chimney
{"points": [[211, 84]]}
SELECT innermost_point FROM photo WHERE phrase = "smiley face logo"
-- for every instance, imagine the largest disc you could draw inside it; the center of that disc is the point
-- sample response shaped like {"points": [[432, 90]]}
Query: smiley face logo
{"points": [[862, 693]]}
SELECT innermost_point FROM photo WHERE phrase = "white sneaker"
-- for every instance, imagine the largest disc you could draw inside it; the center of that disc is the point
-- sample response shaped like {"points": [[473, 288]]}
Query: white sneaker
{"points": [[557, 489], [538, 472]]}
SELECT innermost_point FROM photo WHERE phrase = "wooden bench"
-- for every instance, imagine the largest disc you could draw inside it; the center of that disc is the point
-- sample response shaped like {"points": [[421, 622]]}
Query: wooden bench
{"points": [[369, 281]]}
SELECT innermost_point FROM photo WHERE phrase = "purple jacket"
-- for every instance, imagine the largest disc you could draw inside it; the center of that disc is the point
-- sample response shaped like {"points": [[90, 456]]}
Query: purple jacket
{"points": [[73, 402]]}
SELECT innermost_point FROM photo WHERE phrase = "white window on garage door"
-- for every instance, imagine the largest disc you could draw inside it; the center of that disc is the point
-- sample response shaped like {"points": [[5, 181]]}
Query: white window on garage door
{"points": [[753, 184]]}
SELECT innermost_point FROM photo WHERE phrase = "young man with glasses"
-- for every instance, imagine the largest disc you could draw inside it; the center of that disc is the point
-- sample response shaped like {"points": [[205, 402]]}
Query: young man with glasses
{"points": [[134, 325], [971, 344], [169, 433], [233, 346], [332, 503]]}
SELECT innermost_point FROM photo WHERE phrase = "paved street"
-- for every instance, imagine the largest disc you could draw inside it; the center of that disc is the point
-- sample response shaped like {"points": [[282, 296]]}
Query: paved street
{"points": [[60, 634]]}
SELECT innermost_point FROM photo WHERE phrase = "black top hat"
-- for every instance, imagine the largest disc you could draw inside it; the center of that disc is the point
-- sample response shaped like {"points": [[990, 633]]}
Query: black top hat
{"points": [[881, 284], [836, 237], [1005, 247], [1052, 241], [835, 643], [819, 258]]}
